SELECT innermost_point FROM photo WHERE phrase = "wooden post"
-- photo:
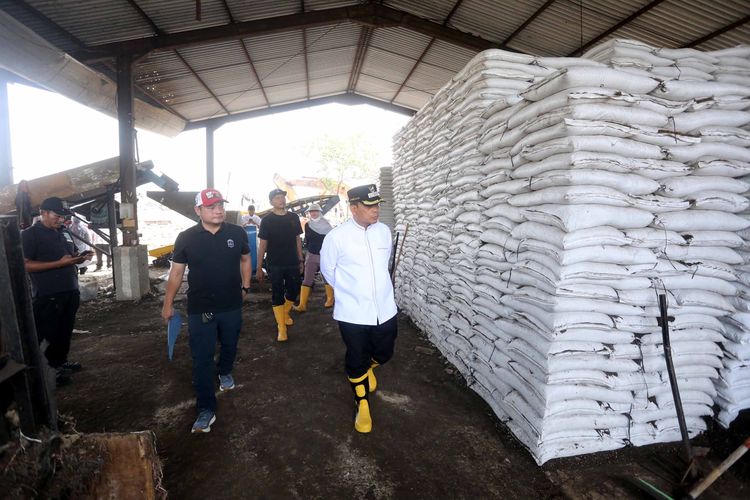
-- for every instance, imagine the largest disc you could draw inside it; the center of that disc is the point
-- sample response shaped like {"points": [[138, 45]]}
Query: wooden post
{"points": [[18, 336]]}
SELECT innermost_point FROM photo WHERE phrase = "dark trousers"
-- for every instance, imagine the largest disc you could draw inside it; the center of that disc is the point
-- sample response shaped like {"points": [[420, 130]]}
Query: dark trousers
{"points": [[285, 283], [224, 327], [100, 255], [55, 316], [367, 343]]}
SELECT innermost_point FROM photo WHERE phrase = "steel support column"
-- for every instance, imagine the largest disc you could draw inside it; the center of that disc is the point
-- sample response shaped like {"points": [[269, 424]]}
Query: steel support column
{"points": [[210, 155], [125, 120], [6, 159]]}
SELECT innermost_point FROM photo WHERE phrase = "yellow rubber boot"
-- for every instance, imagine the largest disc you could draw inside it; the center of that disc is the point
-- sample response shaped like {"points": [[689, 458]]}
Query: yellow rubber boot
{"points": [[304, 294], [329, 296], [288, 307], [362, 420], [371, 380], [278, 312]]}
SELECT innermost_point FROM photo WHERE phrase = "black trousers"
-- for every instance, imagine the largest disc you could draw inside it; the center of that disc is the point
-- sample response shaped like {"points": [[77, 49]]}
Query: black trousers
{"points": [[54, 316], [367, 343], [285, 283]]}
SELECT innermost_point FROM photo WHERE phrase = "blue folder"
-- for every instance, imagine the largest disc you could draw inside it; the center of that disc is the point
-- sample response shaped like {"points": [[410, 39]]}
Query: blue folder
{"points": [[173, 330]]}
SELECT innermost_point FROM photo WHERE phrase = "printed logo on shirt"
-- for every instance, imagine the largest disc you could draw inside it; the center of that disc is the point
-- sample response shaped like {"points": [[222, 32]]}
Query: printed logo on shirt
{"points": [[230, 243]]}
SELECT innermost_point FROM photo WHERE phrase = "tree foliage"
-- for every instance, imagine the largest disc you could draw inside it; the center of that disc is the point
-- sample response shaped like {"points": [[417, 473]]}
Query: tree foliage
{"points": [[344, 158]]}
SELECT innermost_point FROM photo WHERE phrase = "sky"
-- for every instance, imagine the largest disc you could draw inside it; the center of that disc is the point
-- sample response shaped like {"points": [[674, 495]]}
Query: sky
{"points": [[50, 133]]}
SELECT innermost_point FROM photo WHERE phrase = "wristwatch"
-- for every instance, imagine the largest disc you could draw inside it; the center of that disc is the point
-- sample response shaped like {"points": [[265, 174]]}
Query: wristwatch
{"points": [[246, 289]]}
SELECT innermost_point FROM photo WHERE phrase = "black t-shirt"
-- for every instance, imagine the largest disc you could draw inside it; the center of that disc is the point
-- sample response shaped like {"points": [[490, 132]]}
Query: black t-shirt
{"points": [[213, 260], [43, 244], [313, 240], [281, 231]]}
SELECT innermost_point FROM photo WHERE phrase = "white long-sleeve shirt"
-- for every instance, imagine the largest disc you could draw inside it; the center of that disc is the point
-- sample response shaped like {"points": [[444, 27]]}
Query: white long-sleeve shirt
{"points": [[354, 261]]}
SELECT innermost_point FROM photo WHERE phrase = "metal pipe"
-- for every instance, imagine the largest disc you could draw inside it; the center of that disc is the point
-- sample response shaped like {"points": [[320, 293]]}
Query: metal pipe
{"points": [[672, 376]]}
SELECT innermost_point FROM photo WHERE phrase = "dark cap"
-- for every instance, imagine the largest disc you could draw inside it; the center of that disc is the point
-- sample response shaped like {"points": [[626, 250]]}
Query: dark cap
{"points": [[367, 195], [56, 205], [275, 192]]}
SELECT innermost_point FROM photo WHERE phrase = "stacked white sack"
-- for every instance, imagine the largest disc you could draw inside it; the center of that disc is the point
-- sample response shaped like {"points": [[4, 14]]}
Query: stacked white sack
{"points": [[718, 83], [551, 314]]}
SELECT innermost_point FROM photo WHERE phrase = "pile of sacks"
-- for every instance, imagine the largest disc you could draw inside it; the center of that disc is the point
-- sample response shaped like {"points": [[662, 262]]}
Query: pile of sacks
{"points": [[549, 202]]}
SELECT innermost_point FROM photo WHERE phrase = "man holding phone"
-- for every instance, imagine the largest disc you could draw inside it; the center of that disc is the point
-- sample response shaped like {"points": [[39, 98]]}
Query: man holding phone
{"points": [[50, 260]]}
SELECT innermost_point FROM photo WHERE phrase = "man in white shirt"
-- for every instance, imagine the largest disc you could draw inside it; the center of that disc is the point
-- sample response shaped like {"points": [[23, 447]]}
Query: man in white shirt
{"points": [[354, 261], [251, 219]]}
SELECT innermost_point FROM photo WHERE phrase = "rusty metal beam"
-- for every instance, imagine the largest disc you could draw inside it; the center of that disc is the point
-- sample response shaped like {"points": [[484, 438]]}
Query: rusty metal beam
{"points": [[719, 31], [304, 49], [255, 72], [368, 14], [424, 52], [200, 80], [632, 17], [108, 66], [348, 99], [403, 84], [531, 18], [247, 54], [50, 24], [145, 17], [359, 58]]}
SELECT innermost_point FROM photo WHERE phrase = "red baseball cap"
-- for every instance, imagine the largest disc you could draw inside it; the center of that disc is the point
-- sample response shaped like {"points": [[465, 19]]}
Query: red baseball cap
{"points": [[208, 197]]}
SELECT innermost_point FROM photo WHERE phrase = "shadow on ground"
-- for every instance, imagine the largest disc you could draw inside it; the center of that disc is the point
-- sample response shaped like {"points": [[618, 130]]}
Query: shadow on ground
{"points": [[286, 431]]}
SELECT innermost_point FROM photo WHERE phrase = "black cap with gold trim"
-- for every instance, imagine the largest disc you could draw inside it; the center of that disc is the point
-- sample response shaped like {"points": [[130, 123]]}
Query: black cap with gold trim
{"points": [[367, 195]]}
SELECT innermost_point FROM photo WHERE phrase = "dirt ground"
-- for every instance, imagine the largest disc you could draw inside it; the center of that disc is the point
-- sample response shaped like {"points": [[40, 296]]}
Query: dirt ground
{"points": [[286, 431]]}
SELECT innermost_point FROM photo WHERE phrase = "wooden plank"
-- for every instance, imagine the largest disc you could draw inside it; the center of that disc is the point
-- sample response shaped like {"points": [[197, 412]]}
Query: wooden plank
{"points": [[131, 469]]}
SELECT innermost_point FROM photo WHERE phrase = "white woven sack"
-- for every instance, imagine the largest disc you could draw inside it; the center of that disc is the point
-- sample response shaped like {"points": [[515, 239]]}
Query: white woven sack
{"points": [[722, 168], [600, 235], [679, 90], [683, 281], [610, 145], [589, 77], [694, 253], [719, 200], [571, 218], [701, 220], [685, 122], [649, 237], [681, 187], [587, 160], [727, 135]]}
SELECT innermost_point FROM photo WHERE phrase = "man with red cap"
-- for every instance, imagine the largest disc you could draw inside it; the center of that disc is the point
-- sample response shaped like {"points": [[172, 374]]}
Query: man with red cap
{"points": [[218, 256]]}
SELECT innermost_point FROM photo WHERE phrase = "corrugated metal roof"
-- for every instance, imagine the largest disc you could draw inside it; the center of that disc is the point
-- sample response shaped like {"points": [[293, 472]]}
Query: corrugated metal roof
{"points": [[330, 85], [493, 20], [245, 101], [331, 62], [173, 16], [386, 65], [242, 10], [400, 41], [435, 10], [412, 98], [93, 21], [324, 50]]}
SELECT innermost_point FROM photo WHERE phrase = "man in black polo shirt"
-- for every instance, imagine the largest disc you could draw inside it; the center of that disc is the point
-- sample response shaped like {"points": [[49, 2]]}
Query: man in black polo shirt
{"points": [[218, 256], [282, 246], [50, 259]]}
